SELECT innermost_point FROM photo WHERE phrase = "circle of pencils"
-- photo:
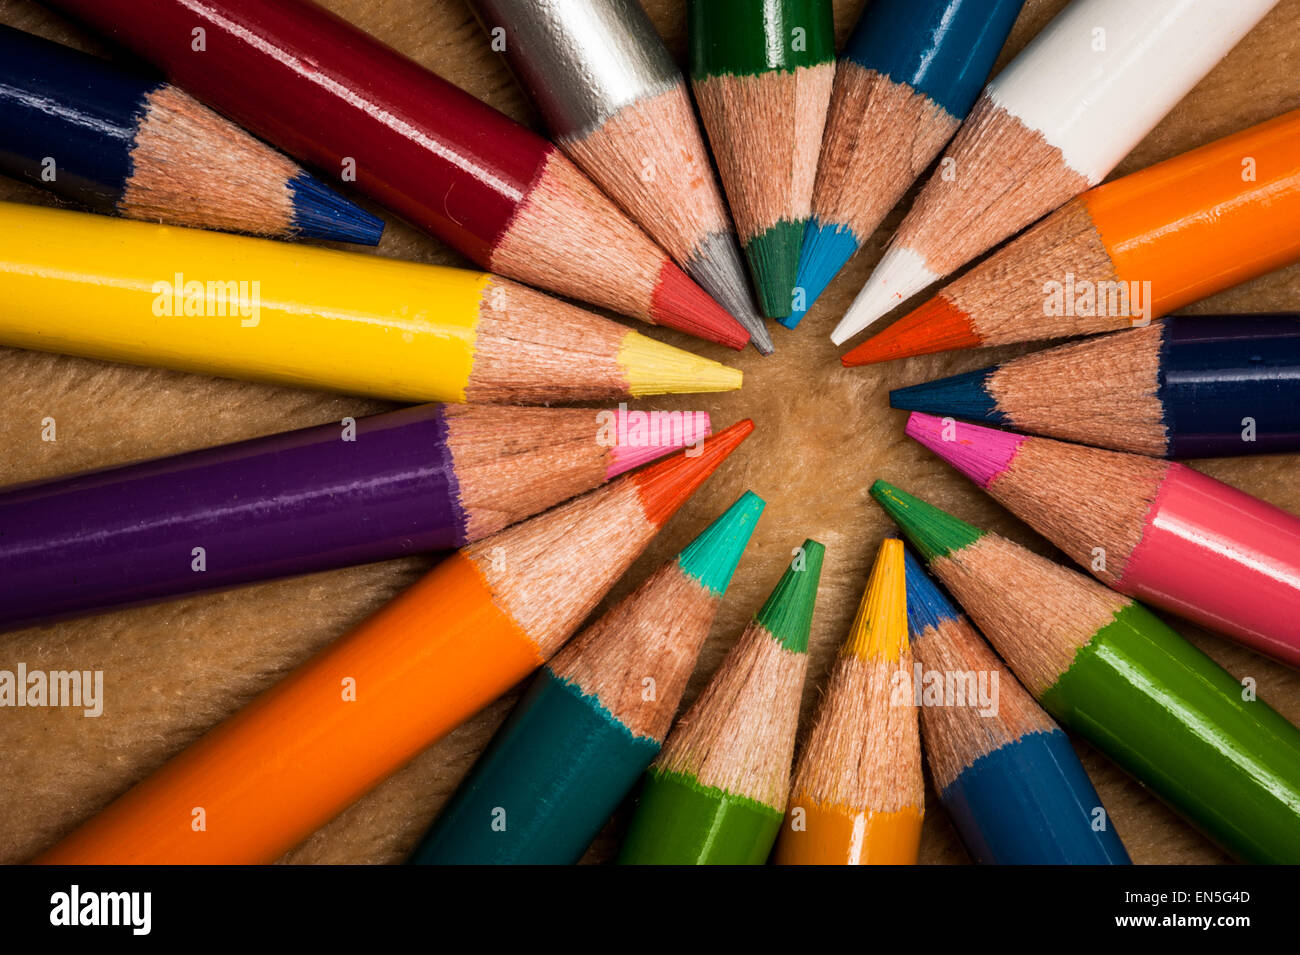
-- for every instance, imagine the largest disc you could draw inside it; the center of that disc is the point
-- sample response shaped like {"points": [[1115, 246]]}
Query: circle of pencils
{"points": [[1110, 670], [269, 311], [335, 97], [1004, 771], [1053, 123], [906, 79], [428, 478], [129, 144], [716, 793], [858, 797], [617, 104], [1192, 386], [1123, 253], [339, 724], [762, 74], [594, 717], [1155, 530]]}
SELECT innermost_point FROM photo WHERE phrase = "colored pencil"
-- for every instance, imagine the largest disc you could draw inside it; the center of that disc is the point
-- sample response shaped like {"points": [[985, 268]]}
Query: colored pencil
{"points": [[1053, 123], [1007, 775], [1111, 671], [126, 143], [1194, 386], [858, 797], [1151, 529], [267, 311], [338, 99], [428, 478], [594, 717], [617, 104], [762, 74], [339, 724], [1125, 252], [716, 794], [907, 78]]}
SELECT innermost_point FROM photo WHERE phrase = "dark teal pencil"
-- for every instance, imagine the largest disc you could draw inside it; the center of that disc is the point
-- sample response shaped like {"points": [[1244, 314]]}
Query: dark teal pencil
{"points": [[594, 718]]}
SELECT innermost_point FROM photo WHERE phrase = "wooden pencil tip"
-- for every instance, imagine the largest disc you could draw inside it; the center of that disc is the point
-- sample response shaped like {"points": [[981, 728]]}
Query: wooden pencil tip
{"points": [[933, 532], [938, 325], [879, 630], [712, 557], [666, 485], [681, 304], [787, 613], [927, 605]]}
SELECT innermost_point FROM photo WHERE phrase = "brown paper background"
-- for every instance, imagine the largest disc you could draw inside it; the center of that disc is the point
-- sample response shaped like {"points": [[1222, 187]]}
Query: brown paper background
{"points": [[824, 434]]}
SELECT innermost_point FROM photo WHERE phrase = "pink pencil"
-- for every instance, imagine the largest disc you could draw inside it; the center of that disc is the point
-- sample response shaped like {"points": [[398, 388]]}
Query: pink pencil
{"points": [[1155, 530]]}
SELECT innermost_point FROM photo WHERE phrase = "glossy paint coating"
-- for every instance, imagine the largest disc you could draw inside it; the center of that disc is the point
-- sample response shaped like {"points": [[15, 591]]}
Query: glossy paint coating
{"points": [[839, 835], [1222, 558], [432, 153], [76, 109], [1175, 720], [745, 38], [698, 825], [291, 503], [1207, 219], [1217, 371], [1029, 802], [554, 772], [943, 49]]}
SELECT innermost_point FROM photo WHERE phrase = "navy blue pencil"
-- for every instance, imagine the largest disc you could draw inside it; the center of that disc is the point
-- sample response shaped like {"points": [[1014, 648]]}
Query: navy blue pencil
{"points": [[130, 144], [1195, 386], [1005, 772]]}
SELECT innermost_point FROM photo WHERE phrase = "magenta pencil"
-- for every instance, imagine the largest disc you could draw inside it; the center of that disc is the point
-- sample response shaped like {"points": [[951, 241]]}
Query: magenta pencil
{"points": [[1155, 530]]}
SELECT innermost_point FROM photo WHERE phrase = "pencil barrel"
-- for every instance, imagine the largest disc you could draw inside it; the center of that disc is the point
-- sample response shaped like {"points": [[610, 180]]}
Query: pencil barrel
{"points": [[539, 794], [1178, 722], [292, 503], [1029, 802]]}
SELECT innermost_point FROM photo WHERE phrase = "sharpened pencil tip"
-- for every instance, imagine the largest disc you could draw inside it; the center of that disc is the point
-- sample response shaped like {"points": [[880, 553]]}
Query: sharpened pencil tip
{"points": [[681, 304], [665, 486], [979, 453], [899, 275], [639, 444], [933, 532], [712, 557], [879, 631], [788, 611], [655, 368], [717, 266], [927, 605], [937, 325], [826, 249], [321, 213], [961, 396], [774, 262]]}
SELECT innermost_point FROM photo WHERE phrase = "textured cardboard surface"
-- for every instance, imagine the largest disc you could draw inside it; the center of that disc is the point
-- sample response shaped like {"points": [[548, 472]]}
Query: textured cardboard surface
{"points": [[824, 433]]}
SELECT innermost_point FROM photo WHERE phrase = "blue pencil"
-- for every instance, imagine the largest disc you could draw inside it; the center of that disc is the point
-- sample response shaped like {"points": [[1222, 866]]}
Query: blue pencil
{"points": [[907, 78], [1192, 386], [1005, 772], [130, 144]]}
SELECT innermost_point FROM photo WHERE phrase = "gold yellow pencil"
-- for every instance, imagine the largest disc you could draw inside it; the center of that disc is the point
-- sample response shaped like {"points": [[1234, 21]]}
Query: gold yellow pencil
{"points": [[858, 796], [241, 307]]}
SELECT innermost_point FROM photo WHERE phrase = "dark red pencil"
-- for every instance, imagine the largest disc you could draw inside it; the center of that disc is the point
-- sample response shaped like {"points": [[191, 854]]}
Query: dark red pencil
{"points": [[339, 99]]}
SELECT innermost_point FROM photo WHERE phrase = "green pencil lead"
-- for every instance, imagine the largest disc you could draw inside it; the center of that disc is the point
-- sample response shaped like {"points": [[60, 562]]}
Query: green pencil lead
{"points": [[933, 532], [712, 557], [787, 614]]}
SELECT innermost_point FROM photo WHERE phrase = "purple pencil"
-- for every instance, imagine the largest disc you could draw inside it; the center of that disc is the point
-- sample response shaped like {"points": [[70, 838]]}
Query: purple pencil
{"points": [[427, 478]]}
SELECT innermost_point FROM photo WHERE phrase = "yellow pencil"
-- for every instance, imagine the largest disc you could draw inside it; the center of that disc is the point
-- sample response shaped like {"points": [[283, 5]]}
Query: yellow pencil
{"points": [[241, 307], [858, 796]]}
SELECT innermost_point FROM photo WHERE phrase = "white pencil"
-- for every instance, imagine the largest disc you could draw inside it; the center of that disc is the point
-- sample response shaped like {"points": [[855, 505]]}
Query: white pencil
{"points": [[1055, 122]]}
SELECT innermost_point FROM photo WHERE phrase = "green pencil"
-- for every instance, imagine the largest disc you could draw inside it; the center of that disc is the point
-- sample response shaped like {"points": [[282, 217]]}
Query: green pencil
{"points": [[717, 792], [763, 71], [594, 718], [1110, 670]]}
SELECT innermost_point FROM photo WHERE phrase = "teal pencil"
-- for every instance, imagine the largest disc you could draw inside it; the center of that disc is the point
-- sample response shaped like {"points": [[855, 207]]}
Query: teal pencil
{"points": [[594, 718]]}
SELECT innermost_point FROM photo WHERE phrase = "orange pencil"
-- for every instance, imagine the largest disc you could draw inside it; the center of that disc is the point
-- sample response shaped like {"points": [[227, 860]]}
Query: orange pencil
{"points": [[1125, 252], [314, 743], [858, 797]]}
